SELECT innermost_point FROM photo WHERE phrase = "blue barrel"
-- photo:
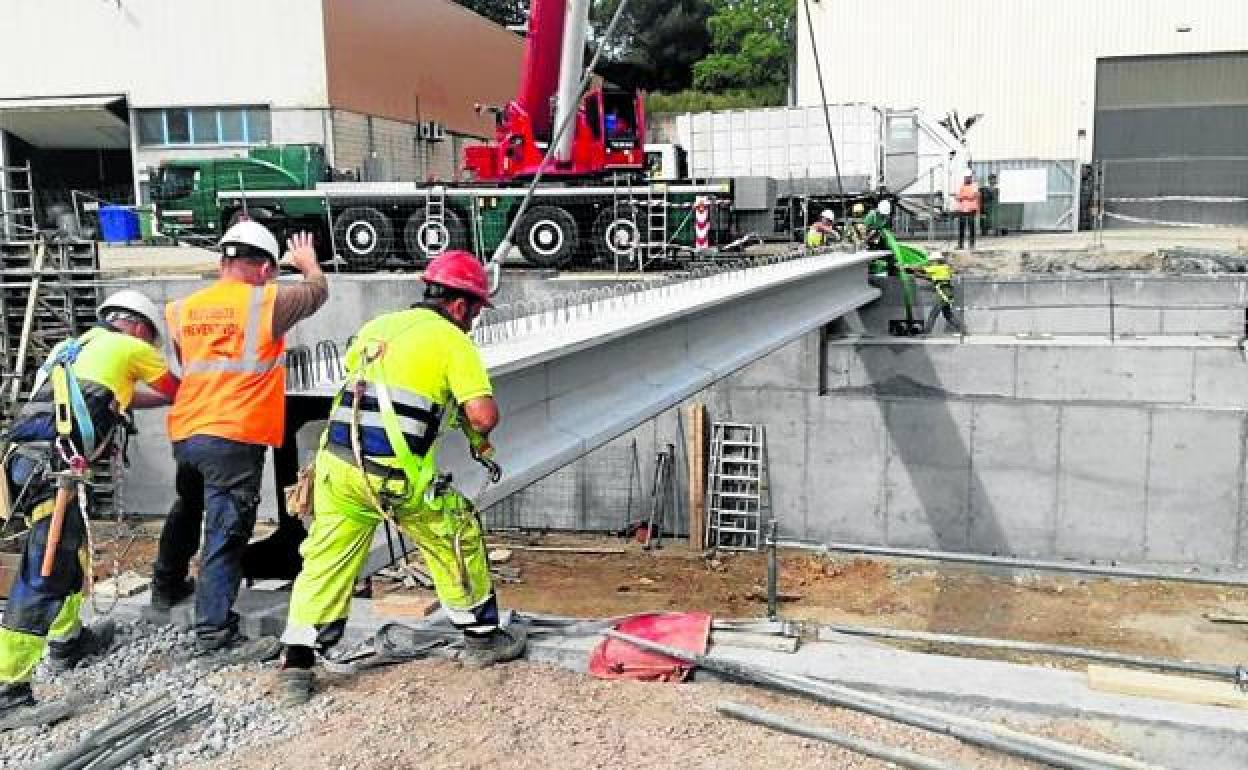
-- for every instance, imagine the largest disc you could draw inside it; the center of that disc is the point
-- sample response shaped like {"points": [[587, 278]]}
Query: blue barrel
{"points": [[118, 224]]}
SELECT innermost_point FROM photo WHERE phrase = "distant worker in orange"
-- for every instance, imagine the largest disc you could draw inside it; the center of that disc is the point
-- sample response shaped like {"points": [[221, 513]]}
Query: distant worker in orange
{"points": [[968, 209], [231, 407]]}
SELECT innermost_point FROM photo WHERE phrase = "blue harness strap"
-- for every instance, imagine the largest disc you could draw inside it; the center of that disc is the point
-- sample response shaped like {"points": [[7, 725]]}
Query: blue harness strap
{"points": [[64, 356]]}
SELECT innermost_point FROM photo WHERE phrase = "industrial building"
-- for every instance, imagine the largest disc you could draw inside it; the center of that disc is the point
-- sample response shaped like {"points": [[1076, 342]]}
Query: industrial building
{"points": [[1156, 91], [129, 83]]}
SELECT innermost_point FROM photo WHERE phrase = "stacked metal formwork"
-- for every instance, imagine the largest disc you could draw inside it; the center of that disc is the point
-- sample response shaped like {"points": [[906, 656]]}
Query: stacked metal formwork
{"points": [[49, 292], [738, 493]]}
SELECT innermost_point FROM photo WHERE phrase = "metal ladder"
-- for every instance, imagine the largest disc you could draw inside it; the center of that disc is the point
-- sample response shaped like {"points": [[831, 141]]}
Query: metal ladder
{"points": [[656, 220], [17, 204], [435, 213], [738, 491]]}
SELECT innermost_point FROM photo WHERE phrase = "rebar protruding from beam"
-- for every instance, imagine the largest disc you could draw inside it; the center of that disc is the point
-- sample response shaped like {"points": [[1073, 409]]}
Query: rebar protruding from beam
{"points": [[862, 746], [980, 733], [1017, 645]]}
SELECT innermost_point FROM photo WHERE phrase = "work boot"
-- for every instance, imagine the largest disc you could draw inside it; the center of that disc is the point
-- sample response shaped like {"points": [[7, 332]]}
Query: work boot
{"points": [[90, 641], [165, 598], [295, 686], [499, 646], [235, 648], [15, 696]]}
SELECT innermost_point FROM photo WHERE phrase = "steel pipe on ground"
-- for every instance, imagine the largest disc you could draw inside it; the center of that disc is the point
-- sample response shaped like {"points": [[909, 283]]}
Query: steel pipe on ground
{"points": [[873, 749], [980, 733]]}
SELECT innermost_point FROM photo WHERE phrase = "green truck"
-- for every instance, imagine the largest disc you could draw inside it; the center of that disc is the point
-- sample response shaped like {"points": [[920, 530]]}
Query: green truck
{"points": [[371, 225]]}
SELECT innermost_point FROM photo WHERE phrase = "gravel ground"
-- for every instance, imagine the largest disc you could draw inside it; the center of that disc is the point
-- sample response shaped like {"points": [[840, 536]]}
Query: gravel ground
{"points": [[145, 661], [438, 714]]}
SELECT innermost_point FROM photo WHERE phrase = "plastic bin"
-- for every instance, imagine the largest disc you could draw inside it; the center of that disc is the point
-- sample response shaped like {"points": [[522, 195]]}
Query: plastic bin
{"points": [[118, 224], [147, 216]]}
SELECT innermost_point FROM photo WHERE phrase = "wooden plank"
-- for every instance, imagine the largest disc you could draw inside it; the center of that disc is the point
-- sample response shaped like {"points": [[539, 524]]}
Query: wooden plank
{"points": [[1183, 689], [695, 450], [754, 640], [565, 549], [1225, 617], [404, 606]]}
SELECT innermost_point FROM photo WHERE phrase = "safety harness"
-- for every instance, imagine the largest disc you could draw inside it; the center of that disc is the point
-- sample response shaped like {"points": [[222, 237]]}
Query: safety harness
{"points": [[420, 473], [69, 407]]}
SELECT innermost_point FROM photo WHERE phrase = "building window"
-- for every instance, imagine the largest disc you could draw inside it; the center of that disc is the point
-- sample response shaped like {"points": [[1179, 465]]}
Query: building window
{"points": [[205, 125]]}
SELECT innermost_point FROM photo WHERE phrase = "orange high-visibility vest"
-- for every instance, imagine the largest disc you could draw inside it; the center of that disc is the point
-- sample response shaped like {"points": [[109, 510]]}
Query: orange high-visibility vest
{"points": [[233, 377], [968, 198]]}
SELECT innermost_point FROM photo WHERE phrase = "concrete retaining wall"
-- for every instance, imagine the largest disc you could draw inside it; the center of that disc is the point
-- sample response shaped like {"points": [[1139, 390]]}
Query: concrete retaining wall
{"points": [[1054, 449]]}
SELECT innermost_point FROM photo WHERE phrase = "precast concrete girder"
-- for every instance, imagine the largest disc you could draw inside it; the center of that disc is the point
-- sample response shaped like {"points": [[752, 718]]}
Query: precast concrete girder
{"points": [[570, 378]]}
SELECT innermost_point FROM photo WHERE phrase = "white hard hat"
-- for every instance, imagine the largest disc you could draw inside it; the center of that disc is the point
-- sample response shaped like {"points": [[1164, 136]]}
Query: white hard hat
{"points": [[885, 207], [935, 256], [827, 214], [134, 303], [253, 234]]}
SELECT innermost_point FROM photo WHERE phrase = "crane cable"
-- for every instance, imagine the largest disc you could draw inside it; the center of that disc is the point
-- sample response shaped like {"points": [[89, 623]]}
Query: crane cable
{"points": [[494, 266], [823, 98]]}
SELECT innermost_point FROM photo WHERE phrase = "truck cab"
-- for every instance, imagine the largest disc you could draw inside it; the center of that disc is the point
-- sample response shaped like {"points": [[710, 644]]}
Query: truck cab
{"points": [[185, 191]]}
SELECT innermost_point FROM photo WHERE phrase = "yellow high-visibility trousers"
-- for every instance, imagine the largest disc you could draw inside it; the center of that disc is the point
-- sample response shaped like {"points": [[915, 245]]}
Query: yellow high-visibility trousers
{"points": [[446, 530]]}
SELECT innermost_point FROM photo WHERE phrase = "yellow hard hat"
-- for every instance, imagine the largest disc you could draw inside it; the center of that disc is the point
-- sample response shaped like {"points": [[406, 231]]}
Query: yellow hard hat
{"points": [[859, 209]]}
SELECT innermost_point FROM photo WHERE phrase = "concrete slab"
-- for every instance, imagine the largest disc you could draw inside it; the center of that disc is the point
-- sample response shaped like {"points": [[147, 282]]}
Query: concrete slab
{"points": [[1014, 478], [1103, 497], [1220, 378], [928, 472], [902, 369], [1105, 373], [847, 453], [784, 414], [1194, 480]]}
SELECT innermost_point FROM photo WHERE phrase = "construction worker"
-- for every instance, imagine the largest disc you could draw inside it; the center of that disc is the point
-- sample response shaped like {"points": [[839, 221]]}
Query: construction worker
{"points": [[230, 340], [75, 415], [968, 209], [940, 275], [858, 228], [410, 373], [823, 230]]}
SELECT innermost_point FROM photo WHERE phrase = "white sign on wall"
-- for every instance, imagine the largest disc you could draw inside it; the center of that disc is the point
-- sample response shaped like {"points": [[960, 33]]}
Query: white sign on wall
{"points": [[1026, 185]]}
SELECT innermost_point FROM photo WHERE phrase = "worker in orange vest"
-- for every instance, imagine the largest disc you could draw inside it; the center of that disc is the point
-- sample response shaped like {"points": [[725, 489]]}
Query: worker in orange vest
{"points": [[230, 340], [968, 209]]}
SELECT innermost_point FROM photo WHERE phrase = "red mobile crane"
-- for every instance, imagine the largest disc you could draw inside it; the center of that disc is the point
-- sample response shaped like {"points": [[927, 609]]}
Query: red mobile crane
{"points": [[608, 132]]}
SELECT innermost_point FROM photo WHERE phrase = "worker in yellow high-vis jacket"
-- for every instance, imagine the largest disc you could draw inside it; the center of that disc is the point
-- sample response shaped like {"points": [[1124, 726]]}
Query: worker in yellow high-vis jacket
{"points": [[73, 416], [409, 373]]}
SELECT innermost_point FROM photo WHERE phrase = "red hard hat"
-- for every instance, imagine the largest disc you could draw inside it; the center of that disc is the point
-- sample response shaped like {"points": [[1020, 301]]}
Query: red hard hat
{"points": [[459, 270]]}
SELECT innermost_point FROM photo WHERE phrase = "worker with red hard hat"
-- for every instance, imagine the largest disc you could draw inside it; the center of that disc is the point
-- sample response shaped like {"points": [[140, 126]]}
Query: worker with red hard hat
{"points": [[410, 374]]}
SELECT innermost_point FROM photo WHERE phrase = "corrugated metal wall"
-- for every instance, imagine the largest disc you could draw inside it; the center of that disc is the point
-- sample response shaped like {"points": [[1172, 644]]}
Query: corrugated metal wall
{"points": [[1029, 66], [1172, 139]]}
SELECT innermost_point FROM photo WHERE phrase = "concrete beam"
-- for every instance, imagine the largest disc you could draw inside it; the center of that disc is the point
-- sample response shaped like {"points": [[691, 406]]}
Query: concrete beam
{"points": [[570, 379]]}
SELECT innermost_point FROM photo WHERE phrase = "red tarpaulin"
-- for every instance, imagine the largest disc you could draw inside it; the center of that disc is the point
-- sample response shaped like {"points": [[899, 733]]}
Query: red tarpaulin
{"points": [[615, 659]]}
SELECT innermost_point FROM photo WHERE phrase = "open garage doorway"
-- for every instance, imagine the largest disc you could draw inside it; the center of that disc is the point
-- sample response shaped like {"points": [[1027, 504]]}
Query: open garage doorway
{"points": [[78, 149]]}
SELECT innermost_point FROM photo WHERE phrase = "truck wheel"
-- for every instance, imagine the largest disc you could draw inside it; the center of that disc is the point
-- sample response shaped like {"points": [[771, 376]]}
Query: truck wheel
{"points": [[364, 236], [425, 239], [547, 236], [617, 236]]}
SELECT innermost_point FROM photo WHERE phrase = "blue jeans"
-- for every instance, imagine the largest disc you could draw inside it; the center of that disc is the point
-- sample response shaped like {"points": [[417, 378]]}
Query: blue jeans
{"points": [[228, 473]]}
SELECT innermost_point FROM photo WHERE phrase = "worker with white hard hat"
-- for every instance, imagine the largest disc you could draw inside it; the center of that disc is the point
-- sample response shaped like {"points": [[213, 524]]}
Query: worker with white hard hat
{"points": [[822, 231], [229, 339], [74, 416]]}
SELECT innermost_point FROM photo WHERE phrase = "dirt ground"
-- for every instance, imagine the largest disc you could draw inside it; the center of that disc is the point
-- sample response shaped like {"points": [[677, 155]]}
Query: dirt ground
{"points": [[435, 714], [1135, 616]]}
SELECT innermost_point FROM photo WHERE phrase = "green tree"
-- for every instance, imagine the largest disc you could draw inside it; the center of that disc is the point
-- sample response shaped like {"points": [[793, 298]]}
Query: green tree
{"points": [[505, 12], [751, 43], [656, 43]]}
